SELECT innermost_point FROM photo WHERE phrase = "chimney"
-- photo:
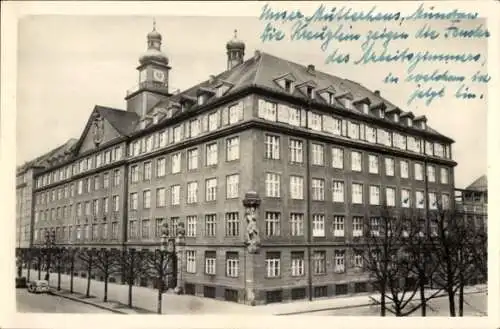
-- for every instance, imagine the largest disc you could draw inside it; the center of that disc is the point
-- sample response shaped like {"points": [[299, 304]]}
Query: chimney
{"points": [[377, 92], [211, 79], [310, 69]]}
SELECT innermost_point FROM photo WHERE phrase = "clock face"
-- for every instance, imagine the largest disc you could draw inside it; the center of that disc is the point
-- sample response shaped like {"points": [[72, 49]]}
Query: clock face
{"points": [[158, 75]]}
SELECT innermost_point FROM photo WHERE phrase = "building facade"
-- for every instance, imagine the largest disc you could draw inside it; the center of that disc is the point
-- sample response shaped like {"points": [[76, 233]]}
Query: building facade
{"points": [[473, 201], [321, 154]]}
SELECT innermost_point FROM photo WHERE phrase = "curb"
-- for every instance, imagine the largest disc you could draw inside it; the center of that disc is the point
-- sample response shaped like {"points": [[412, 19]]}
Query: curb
{"points": [[86, 302], [360, 305]]}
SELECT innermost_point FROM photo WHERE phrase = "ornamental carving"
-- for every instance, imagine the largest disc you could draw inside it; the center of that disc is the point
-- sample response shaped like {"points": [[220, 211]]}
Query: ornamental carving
{"points": [[252, 233], [98, 130]]}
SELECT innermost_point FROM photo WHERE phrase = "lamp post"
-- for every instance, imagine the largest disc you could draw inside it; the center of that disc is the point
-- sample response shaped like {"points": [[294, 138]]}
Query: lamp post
{"points": [[167, 247], [178, 249], [50, 241]]}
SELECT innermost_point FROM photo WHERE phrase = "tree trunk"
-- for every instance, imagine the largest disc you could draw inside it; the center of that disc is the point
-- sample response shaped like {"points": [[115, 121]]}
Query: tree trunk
{"points": [[89, 274], [382, 300], [105, 299], [461, 297], [39, 267], [130, 283], [28, 270], [423, 301], [47, 274], [72, 269], [451, 301], [160, 288], [59, 277]]}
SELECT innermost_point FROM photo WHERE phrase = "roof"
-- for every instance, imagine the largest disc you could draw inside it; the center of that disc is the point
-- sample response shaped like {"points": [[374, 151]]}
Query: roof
{"points": [[44, 159], [480, 184], [123, 121], [263, 69]]}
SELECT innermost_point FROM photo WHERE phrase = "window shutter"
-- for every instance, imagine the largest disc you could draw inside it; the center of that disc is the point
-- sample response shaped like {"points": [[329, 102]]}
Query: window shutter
{"points": [[283, 113], [303, 118], [204, 123], [225, 120]]}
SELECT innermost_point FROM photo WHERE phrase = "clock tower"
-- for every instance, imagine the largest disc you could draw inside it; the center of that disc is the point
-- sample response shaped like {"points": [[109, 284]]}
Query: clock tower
{"points": [[153, 77]]}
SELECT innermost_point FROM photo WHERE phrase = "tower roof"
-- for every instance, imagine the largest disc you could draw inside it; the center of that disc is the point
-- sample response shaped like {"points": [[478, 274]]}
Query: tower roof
{"points": [[235, 43], [154, 53]]}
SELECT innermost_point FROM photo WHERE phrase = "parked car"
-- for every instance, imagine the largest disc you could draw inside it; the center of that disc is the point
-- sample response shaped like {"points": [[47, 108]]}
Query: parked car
{"points": [[38, 286]]}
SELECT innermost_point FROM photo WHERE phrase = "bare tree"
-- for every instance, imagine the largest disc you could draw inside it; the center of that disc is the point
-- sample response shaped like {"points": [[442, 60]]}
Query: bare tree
{"points": [[60, 257], [107, 261], [159, 265], [87, 256], [72, 254], [133, 266]]}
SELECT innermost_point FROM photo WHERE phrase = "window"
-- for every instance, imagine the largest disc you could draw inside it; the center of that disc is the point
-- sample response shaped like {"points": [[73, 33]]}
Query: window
{"points": [[146, 199], [294, 116], [162, 138], [116, 177], [358, 259], [373, 164], [133, 201], [210, 224], [431, 173], [233, 148], [232, 186], [192, 159], [149, 144], [432, 201], [194, 127], [296, 187], [357, 193], [318, 224], [145, 229], [134, 174], [116, 203], [357, 226], [176, 163], [192, 192], [232, 264], [419, 171], [444, 176], [105, 183], [273, 185], [232, 224], [176, 194], [370, 134], [191, 261], [404, 169], [318, 189], [235, 113], [160, 197], [419, 197], [298, 263], [272, 147], [317, 154], [211, 189], [273, 220], [405, 198], [319, 262], [213, 121], [133, 229], [158, 227], [80, 187], [338, 226], [267, 110], [296, 147], [338, 191], [314, 122], [177, 135], [355, 161], [445, 199], [118, 153], [390, 196], [297, 224], [353, 130], [339, 257], [191, 226], [273, 264], [337, 158], [147, 171], [374, 195], [160, 167], [95, 207], [211, 154]]}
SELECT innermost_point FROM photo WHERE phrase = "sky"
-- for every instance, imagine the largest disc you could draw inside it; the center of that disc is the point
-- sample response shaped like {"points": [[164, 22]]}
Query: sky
{"points": [[69, 64]]}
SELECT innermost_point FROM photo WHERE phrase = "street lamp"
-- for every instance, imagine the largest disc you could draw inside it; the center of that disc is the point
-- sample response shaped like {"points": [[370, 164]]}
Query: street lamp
{"points": [[167, 246], [50, 242]]}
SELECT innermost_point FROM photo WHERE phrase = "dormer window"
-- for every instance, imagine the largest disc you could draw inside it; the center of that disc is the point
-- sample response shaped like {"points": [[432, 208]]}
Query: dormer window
{"points": [[331, 98], [201, 99], [288, 86], [219, 91], [409, 122], [347, 103], [310, 92], [396, 117], [381, 113], [365, 108], [169, 113]]}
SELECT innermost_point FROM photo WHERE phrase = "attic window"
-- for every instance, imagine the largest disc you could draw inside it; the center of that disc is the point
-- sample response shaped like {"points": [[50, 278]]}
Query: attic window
{"points": [[288, 86], [381, 113], [396, 117], [201, 99], [219, 91], [156, 118], [422, 125], [331, 98], [365, 108], [310, 91], [409, 122], [347, 103], [169, 113]]}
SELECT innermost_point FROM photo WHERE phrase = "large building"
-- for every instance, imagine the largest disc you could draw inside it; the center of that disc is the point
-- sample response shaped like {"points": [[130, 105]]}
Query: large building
{"points": [[272, 166], [473, 201]]}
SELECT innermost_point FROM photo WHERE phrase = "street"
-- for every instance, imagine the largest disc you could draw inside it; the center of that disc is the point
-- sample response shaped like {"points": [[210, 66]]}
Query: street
{"points": [[475, 305], [45, 303]]}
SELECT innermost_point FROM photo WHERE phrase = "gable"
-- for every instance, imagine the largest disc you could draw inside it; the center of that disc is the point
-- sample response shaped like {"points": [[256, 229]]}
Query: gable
{"points": [[108, 134]]}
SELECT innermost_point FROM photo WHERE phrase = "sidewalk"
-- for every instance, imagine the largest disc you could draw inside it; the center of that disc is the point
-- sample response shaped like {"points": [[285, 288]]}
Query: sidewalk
{"points": [[145, 300]]}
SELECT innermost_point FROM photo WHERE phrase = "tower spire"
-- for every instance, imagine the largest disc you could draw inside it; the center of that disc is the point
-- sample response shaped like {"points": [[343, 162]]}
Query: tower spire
{"points": [[235, 51]]}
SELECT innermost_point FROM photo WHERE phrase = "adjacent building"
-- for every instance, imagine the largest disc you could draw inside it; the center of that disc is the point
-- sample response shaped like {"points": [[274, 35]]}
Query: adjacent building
{"points": [[316, 154], [473, 201]]}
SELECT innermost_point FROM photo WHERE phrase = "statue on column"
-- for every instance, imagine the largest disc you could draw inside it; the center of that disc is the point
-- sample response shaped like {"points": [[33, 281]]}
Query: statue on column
{"points": [[252, 232]]}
